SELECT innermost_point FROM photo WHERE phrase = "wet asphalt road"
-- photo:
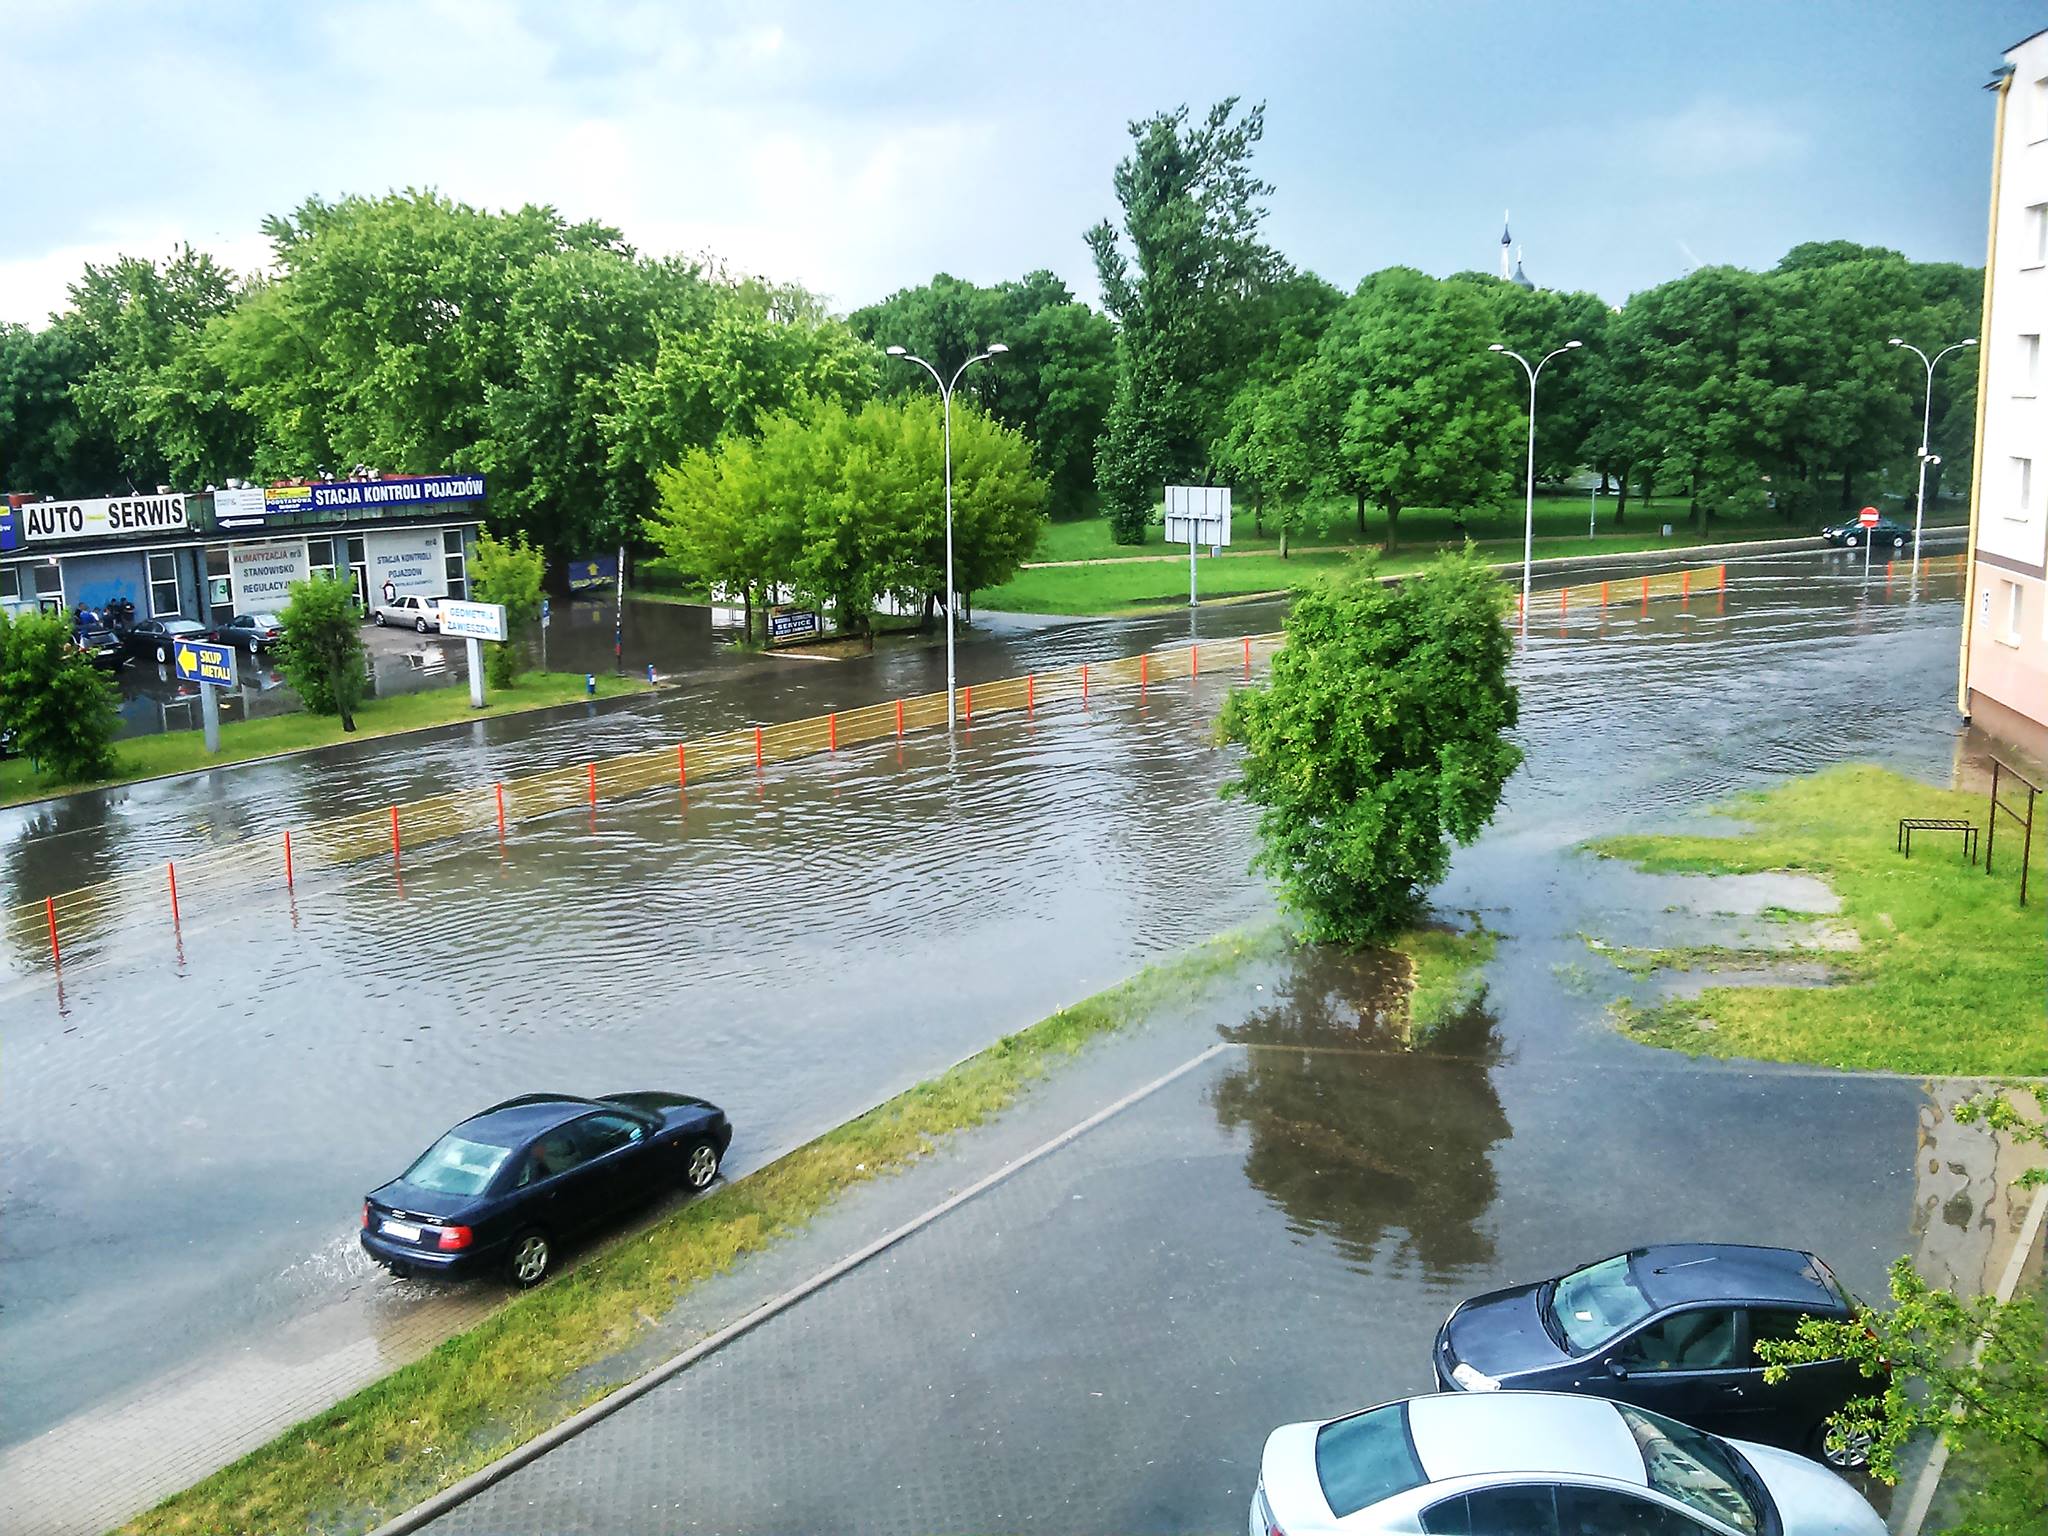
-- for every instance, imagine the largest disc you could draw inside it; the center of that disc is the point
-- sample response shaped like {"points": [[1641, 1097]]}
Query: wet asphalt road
{"points": [[796, 949]]}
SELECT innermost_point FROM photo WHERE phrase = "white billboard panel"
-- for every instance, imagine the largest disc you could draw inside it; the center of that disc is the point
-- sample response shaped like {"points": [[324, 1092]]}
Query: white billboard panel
{"points": [[1198, 514]]}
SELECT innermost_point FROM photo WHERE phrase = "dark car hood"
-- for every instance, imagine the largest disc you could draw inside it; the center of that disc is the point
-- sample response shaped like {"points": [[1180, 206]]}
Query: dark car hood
{"points": [[1502, 1333], [401, 1196]]}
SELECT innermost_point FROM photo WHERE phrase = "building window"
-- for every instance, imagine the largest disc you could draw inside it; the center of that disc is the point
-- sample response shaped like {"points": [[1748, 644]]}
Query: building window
{"points": [[455, 573], [50, 587], [320, 559], [2013, 607], [2023, 487], [2034, 236], [2030, 366], [163, 584], [10, 583], [219, 597], [2040, 106]]}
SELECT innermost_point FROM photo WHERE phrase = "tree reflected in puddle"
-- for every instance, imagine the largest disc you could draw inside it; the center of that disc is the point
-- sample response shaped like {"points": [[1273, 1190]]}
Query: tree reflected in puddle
{"points": [[1385, 1148]]}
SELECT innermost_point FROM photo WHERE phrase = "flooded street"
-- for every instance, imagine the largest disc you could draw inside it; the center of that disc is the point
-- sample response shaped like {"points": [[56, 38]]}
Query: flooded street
{"points": [[188, 1135]]}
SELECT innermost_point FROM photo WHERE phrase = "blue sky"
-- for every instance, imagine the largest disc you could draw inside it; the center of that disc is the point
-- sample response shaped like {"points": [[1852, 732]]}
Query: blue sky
{"points": [[860, 148]]}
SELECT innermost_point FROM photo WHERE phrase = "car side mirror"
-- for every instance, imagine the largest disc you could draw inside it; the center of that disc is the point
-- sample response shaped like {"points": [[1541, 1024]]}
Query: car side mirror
{"points": [[1616, 1369]]}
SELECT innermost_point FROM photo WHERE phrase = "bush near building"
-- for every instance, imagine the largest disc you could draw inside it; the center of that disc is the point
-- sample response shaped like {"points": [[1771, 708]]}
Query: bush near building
{"points": [[323, 652], [60, 710], [508, 572]]}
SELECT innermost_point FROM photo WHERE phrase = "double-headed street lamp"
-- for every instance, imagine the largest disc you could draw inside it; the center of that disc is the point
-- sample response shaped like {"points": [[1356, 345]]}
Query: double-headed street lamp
{"points": [[1529, 510], [1926, 419], [995, 349]]}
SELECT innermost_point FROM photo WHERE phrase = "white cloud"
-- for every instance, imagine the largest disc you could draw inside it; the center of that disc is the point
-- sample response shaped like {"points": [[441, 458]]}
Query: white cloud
{"points": [[1715, 137]]}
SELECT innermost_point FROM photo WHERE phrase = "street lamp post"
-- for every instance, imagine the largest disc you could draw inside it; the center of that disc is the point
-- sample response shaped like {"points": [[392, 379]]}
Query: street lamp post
{"points": [[995, 349], [1529, 483], [1926, 421]]}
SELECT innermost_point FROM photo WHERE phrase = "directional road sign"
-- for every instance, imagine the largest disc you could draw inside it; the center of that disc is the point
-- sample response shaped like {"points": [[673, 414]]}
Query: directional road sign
{"points": [[198, 662]]}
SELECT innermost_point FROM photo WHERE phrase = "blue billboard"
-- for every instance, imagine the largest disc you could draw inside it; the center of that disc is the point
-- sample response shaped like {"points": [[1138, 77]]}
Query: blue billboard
{"points": [[400, 492]]}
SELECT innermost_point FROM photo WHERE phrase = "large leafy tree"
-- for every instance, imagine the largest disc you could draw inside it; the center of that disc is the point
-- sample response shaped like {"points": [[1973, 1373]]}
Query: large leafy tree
{"points": [[60, 709], [1537, 321], [1379, 741], [1425, 415], [46, 445], [1177, 279], [1054, 386], [1275, 438]]}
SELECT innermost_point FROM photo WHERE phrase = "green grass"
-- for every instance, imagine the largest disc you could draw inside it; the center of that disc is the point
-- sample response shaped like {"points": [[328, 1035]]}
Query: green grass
{"points": [[146, 757], [1950, 976], [481, 1393], [1444, 975]]}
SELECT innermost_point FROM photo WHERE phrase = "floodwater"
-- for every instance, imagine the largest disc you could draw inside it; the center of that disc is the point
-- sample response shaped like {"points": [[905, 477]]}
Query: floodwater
{"points": [[189, 1129]]}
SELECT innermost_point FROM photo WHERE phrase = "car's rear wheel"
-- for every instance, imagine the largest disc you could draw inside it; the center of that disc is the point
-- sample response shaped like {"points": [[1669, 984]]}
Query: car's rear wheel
{"points": [[700, 1166], [1898, 541], [1844, 1452], [532, 1256], [379, 617], [162, 654], [420, 625]]}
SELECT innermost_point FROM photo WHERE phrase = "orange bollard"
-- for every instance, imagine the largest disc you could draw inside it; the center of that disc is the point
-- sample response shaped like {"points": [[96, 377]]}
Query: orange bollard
{"points": [[1646, 594], [1603, 594], [50, 912], [682, 768], [590, 770], [967, 710], [832, 731], [1194, 661], [757, 748], [500, 790], [1247, 655], [899, 717], [1519, 615], [171, 871], [1084, 684], [287, 858], [394, 837], [1564, 600], [1030, 692], [1144, 666], [1685, 589]]}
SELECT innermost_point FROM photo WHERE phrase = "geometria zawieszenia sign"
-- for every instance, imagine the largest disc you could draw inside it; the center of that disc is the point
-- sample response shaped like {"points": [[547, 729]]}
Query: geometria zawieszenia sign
{"points": [[101, 519]]}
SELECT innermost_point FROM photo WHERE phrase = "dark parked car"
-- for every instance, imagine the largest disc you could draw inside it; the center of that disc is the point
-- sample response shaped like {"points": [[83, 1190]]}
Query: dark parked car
{"points": [[1884, 534], [251, 632], [506, 1187], [155, 639], [1672, 1329]]}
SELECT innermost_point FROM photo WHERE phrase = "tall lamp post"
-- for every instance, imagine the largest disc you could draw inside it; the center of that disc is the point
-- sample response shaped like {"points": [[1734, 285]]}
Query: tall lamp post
{"points": [[1926, 420], [995, 349], [1529, 483]]}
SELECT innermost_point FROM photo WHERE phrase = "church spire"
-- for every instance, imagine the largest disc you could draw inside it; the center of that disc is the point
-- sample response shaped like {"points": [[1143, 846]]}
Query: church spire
{"points": [[1506, 245]]}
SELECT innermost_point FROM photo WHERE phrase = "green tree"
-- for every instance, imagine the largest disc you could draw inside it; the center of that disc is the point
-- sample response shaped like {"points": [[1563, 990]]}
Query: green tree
{"points": [[719, 518], [509, 572], [46, 445], [1054, 386], [322, 654], [1536, 321], [1380, 739], [61, 710], [1425, 415], [1274, 438], [1177, 280]]}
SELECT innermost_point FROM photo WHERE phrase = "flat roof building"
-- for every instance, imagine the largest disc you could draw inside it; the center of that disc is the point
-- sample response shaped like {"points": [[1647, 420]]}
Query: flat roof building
{"points": [[210, 555], [2003, 687]]}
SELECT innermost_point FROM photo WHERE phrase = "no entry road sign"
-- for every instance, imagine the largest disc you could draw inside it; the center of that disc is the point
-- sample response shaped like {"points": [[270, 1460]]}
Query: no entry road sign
{"points": [[198, 662], [1867, 517]]}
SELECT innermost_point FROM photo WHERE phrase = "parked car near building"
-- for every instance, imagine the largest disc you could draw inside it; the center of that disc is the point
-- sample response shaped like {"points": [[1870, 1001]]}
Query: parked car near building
{"points": [[1540, 1464], [1671, 1328], [155, 639], [420, 613], [251, 632], [505, 1187]]}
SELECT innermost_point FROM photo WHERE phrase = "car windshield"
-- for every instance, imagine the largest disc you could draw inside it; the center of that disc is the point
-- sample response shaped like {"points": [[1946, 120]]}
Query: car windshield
{"points": [[1693, 1468], [1367, 1457], [1593, 1305], [455, 1165]]}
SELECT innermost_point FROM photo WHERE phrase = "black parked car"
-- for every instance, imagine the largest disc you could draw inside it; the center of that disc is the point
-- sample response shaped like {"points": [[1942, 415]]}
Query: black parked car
{"points": [[1884, 534], [155, 639], [251, 632], [504, 1188], [1672, 1329]]}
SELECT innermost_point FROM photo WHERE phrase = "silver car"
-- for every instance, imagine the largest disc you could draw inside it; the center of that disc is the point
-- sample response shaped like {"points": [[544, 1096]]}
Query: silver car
{"points": [[420, 613], [1540, 1464]]}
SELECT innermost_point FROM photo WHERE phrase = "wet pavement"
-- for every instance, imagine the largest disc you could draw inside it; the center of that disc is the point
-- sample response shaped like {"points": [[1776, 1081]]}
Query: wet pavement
{"points": [[796, 948]]}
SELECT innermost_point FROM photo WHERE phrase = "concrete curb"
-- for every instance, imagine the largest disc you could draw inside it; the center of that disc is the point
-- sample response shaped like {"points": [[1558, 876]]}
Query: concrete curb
{"points": [[469, 1487], [1914, 1514]]}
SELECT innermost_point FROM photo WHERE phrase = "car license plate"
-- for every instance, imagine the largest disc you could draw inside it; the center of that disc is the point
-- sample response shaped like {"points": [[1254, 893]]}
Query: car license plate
{"points": [[404, 1229]]}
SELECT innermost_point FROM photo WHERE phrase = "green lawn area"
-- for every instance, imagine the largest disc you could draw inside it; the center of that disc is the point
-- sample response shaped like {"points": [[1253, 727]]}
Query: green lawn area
{"points": [[146, 757], [482, 1392], [1950, 974]]}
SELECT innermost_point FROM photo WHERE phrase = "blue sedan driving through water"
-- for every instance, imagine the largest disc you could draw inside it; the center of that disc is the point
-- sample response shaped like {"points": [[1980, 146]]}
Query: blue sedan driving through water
{"points": [[505, 1188]]}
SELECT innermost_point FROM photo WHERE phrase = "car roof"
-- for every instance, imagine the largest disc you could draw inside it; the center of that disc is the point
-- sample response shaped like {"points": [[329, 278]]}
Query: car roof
{"points": [[1672, 1274], [1478, 1434], [529, 1115]]}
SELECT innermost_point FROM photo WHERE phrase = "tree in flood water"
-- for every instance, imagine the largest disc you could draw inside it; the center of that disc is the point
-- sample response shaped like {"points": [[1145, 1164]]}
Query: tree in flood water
{"points": [[1379, 740]]}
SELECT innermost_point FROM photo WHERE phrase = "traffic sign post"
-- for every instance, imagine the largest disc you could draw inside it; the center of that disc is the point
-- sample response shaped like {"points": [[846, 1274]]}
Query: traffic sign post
{"points": [[212, 667], [474, 623], [1868, 518], [1197, 514]]}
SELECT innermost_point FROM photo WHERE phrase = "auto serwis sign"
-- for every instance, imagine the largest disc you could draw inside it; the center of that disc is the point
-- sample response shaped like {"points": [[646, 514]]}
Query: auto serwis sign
{"points": [[198, 662]]}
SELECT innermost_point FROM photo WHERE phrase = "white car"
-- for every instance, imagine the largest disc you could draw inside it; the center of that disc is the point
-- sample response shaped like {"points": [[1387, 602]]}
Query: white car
{"points": [[1540, 1464], [420, 613]]}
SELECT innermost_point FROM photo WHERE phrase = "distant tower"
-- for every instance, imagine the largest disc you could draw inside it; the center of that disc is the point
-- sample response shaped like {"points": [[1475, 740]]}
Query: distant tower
{"points": [[1506, 246], [1518, 277]]}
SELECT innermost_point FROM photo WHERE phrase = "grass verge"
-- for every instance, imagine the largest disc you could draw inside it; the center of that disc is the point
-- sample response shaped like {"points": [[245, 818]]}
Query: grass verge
{"points": [[487, 1390], [148, 757], [1444, 975], [1949, 977]]}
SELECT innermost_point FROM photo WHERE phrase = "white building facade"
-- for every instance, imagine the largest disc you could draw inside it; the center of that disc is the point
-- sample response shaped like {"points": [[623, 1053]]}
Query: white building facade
{"points": [[2004, 683]]}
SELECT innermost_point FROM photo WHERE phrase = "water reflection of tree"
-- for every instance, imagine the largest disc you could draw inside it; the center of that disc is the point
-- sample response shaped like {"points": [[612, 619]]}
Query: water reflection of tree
{"points": [[1356, 1136]]}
